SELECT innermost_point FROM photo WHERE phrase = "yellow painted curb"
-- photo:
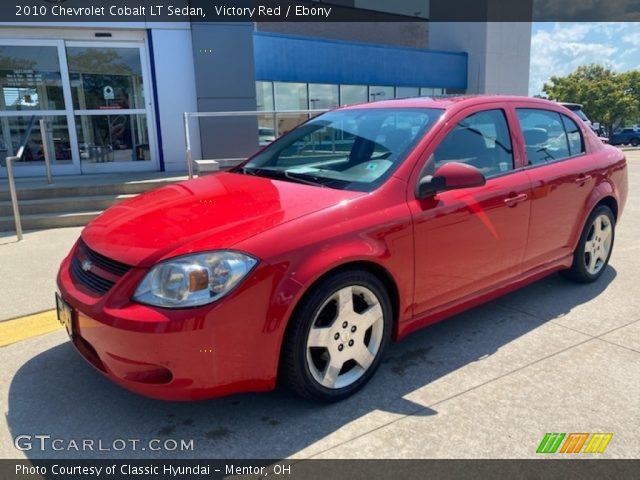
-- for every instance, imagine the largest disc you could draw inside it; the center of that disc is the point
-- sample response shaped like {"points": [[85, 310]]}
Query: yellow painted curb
{"points": [[12, 331]]}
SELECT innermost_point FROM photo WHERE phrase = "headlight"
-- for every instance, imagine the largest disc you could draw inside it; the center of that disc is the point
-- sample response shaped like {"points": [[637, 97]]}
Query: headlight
{"points": [[193, 280]]}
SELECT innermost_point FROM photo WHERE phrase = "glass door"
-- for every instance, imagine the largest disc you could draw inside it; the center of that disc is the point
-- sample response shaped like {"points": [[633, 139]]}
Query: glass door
{"points": [[33, 84], [109, 88]]}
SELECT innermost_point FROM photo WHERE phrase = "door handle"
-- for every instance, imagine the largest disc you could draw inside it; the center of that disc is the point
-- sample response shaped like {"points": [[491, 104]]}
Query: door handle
{"points": [[583, 179], [513, 200]]}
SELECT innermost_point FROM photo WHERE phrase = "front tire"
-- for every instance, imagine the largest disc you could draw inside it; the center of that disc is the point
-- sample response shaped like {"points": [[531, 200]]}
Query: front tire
{"points": [[594, 247], [337, 336]]}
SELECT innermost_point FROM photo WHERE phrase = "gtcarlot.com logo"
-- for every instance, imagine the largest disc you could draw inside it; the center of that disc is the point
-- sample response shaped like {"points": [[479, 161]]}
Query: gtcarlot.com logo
{"points": [[47, 442], [574, 442]]}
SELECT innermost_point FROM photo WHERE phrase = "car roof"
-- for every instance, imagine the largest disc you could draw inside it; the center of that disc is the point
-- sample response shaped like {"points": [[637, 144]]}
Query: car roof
{"points": [[449, 102]]}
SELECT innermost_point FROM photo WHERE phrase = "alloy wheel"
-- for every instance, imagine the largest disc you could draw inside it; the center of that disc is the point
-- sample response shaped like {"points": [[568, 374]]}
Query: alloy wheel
{"points": [[345, 337], [598, 244]]}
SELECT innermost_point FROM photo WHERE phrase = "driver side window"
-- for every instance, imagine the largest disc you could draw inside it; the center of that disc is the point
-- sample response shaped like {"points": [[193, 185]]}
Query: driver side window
{"points": [[481, 140]]}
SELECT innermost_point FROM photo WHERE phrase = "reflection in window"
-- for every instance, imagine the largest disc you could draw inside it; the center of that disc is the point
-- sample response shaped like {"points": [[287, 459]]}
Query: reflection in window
{"points": [[407, 92], [290, 96], [381, 93], [264, 96], [30, 78], [112, 138], [350, 94], [105, 78], [322, 96], [14, 128]]}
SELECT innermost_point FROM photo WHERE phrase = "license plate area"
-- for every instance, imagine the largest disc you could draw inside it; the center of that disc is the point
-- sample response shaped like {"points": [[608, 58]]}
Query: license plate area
{"points": [[65, 314]]}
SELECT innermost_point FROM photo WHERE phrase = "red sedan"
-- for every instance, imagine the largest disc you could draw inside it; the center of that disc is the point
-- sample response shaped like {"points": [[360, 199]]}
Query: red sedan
{"points": [[358, 227]]}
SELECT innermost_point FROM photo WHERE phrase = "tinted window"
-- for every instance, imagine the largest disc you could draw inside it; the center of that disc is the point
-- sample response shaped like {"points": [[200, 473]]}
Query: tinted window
{"points": [[576, 144], [353, 149], [481, 140], [544, 134]]}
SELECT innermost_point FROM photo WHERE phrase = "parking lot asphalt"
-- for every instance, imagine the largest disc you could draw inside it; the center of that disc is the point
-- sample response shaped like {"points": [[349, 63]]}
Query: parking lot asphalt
{"points": [[488, 383]]}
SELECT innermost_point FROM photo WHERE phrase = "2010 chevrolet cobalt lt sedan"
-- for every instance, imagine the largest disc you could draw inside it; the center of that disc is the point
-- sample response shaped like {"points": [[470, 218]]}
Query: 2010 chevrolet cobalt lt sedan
{"points": [[356, 228]]}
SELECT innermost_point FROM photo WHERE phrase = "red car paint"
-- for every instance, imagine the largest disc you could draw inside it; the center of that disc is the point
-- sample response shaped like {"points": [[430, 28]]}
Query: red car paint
{"points": [[438, 255]]}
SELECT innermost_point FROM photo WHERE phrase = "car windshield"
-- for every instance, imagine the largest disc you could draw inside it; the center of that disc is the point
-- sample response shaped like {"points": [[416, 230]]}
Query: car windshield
{"points": [[355, 149]]}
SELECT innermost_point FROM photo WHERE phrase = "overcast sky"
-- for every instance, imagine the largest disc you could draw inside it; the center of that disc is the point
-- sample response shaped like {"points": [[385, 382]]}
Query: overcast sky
{"points": [[559, 48]]}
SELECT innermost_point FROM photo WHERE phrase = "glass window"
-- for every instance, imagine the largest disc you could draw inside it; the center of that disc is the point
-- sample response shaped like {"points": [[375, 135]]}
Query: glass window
{"points": [[290, 96], [481, 140], [14, 128], [112, 138], [350, 149], [105, 78], [30, 78], [381, 93], [266, 123], [264, 96], [426, 92], [544, 135], [576, 144], [407, 92], [350, 94], [322, 96]]}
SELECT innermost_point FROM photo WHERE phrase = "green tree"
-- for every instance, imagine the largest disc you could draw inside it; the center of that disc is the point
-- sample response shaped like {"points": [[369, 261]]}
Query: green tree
{"points": [[606, 96]]}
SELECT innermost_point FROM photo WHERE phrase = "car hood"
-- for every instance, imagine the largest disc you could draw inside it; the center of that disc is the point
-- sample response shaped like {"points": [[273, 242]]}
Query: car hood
{"points": [[208, 213]]}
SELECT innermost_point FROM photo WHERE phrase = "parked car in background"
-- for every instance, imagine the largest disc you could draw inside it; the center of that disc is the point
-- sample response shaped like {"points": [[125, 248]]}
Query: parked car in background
{"points": [[577, 109], [357, 227], [626, 136], [266, 135], [597, 128]]}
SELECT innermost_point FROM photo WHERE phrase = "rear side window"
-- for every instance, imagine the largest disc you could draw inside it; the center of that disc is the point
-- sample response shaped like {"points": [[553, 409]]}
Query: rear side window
{"points": [[549, 136], [481, 140], [576, 144]]}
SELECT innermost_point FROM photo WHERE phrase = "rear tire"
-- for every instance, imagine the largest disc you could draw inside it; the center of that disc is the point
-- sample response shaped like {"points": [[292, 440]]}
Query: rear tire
{"points": [[336, 337], [594, 247], [635, 142]]}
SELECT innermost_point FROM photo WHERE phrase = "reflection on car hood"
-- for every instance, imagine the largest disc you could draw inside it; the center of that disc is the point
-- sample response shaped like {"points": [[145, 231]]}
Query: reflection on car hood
{"points": [[217, 212]]}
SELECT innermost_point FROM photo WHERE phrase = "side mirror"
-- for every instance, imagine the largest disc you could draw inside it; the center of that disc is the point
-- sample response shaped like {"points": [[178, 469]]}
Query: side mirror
{"points": [[450, 176]]}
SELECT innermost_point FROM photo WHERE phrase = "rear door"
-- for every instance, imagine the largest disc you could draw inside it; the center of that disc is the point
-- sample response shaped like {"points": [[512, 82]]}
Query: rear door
{"points": [[562, 176], [469, 240]]}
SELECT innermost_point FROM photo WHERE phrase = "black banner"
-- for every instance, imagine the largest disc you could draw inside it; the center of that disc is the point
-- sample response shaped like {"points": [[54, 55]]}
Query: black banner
{"points": [[110, 11], [318, 469]]}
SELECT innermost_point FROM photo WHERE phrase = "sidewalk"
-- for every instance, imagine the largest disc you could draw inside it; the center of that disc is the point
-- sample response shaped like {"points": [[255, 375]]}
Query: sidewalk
{"points": [[28, 270]]}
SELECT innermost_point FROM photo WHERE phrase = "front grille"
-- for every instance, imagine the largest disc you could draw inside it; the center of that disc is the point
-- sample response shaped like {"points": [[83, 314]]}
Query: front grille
{"points": [[87, 267], [103, 262]]}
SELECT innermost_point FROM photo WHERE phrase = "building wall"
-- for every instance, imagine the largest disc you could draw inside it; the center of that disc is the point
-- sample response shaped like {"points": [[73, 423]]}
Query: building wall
{"points": [[399, 34], [176, 92], [300, 59], [499, 53], [225, 81]]}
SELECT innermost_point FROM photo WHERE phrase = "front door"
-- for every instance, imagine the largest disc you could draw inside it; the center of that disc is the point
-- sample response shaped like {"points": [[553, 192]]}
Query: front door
{"points": [[470, 240], [109, 88], [95, 98]]}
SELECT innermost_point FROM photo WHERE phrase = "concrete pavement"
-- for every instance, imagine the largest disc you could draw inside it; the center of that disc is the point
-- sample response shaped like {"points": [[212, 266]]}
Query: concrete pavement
{"points": [[489, 383]]}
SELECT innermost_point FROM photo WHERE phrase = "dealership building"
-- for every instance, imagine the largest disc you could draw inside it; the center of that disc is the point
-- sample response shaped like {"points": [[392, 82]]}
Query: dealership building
{"points": [[114, 95]]}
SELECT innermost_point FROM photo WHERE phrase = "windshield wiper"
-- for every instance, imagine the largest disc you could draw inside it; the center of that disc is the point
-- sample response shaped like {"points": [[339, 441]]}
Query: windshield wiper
{"points": [[283, 174], [304, 178]]}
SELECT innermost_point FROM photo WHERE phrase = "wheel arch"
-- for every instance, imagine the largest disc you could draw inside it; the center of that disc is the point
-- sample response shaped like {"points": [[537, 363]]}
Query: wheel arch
{"points": [[610, 202], [380, 272]]}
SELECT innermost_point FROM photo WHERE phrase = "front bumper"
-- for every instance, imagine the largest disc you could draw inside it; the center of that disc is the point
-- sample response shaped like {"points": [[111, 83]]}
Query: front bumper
{"points": [[227, 347]]}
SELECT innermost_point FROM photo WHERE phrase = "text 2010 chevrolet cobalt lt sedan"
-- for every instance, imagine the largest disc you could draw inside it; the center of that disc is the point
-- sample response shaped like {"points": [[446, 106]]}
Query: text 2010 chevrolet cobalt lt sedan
{"points": [[357, 227]]}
